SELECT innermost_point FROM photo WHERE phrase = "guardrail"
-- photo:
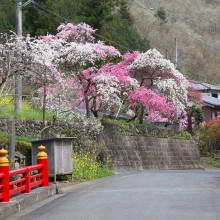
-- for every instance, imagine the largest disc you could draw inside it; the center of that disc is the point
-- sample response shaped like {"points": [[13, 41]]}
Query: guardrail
{"points": [[27, 177]]}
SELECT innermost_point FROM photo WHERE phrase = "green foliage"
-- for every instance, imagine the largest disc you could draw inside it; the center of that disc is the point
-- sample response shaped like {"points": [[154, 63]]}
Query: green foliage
{"points": [[124, 12], [121, 122], [38, 21], [3, 140], [198, 114], [209, 138], [7, 15], [184, 136], [161, 14], [212, 161], [121, 32], [7, 110], [21, 144], [97, 12], [111, 18], [85, 166]]}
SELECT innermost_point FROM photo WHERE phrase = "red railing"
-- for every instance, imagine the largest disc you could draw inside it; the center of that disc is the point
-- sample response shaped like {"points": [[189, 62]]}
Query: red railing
{"points": [[26, 178]]}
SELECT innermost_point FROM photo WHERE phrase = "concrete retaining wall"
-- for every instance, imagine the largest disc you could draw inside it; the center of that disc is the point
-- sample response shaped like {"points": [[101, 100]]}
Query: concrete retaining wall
{"points": [[145, 152]]}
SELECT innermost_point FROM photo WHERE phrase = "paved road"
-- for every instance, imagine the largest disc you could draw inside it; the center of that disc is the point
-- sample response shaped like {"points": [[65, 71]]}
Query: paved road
{"points": [[143, 195]]}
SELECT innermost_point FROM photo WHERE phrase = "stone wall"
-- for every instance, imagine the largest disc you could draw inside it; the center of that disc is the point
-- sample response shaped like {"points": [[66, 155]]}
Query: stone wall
{"points": [[128, 146], [32, 129], [148, 152]]}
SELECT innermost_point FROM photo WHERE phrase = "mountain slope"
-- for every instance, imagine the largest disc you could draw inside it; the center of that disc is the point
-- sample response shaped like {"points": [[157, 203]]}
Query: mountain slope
{"points": [[195, 25]]}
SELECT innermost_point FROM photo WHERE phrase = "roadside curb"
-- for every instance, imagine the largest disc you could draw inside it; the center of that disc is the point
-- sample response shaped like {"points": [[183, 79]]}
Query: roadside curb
{"points": [[20, 202], [39, 196]]}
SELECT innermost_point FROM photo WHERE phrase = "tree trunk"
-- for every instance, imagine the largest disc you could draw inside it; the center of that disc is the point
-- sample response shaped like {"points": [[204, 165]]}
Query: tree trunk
{"points": [[132, 119], [189, 124], [95, 113], [18, 93], [94, 109], [141, 115], [44, 111], [87, 105]]}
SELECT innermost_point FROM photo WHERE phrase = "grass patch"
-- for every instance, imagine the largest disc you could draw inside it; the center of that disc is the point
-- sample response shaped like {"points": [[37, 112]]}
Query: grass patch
{"points": [[212, 161], [122, 122], [4, 136], [28, 113], [103, 171]]}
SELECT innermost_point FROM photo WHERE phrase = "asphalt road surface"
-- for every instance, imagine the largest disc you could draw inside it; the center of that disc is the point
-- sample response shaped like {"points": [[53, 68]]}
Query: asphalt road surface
{"points": [[140, 195]]}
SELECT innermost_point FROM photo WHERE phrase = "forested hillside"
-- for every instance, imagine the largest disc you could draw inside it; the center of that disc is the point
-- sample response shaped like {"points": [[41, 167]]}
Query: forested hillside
{"points": [[195, 24], [111, 18]]}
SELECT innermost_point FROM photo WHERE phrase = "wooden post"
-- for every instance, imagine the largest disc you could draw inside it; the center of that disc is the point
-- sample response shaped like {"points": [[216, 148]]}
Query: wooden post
{"points": [[43, 159], [4, 169], [11, 146]]}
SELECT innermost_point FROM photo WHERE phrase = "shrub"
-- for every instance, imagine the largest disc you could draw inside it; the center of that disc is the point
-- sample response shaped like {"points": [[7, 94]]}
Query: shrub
{"points": [[87, 131], [22, 145], [85, 166], [210, 137]]}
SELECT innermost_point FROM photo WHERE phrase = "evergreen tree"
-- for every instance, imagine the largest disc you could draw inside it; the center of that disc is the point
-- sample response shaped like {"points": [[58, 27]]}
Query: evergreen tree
{"points": [[7, 15], [124, 12], [38, 21], [161, 14], [97, 12]]}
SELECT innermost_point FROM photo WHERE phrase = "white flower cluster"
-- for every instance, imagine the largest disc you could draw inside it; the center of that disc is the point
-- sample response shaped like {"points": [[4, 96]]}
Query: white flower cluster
{"points": [[88, 126], [175, 93], [168, 80], [108, 90]]}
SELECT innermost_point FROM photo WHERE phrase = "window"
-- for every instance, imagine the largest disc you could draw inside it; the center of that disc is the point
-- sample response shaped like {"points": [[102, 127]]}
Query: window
{"points": [[215, 95]]}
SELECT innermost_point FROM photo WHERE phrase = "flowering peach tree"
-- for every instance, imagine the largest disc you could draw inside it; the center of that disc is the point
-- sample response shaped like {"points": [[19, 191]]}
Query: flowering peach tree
{"points": [[78, 71], [158, 74]]}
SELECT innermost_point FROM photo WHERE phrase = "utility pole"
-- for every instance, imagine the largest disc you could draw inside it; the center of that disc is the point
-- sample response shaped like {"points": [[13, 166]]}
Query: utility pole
{"points": [[18, 75], [176, 65], [166, 54]]}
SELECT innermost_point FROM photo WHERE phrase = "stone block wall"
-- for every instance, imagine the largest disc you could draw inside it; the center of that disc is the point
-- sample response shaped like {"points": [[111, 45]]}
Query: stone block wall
{"points": [[32, 128], [129, 146], [147, 152]]}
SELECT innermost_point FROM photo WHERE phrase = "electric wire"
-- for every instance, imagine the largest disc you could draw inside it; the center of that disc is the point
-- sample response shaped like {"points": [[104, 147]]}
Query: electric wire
{"points": [[68, 21]]}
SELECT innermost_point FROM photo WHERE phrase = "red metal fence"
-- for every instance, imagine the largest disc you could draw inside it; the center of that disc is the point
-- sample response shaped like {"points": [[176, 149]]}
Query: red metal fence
{"points": [[22, 180]]}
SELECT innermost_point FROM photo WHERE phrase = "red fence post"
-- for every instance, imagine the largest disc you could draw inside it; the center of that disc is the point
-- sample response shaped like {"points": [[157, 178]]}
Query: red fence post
{"points": [[43, 159], [27, 183], [4, 168]]}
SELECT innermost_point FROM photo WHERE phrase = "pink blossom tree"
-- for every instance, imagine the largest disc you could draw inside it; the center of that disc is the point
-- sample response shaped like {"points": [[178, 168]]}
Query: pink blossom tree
{"points": [[79, 56], [150, 104], [154, 72], [111, 83]]}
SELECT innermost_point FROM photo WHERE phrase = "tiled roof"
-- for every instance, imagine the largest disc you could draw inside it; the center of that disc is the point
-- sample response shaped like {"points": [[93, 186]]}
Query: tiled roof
{"points": [[207, 99], [198, 85]]}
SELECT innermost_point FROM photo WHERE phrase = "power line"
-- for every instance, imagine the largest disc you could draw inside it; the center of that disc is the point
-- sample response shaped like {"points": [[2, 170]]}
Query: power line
{"points": [[68, 21], [198, 39], [176, 27]]}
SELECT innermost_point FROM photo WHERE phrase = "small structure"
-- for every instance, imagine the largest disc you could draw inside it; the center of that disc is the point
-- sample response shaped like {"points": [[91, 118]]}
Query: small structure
{"points": [[19, 160], [59, 151], [210, 99]]}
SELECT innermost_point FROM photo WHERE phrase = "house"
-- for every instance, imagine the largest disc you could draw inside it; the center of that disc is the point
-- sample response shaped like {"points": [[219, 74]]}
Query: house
{"points": [[210, 99]]}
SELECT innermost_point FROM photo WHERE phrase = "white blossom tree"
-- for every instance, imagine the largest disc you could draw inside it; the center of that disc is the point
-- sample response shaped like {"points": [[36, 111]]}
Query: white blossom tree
{"points": [[160, 75], [13, 57]]}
